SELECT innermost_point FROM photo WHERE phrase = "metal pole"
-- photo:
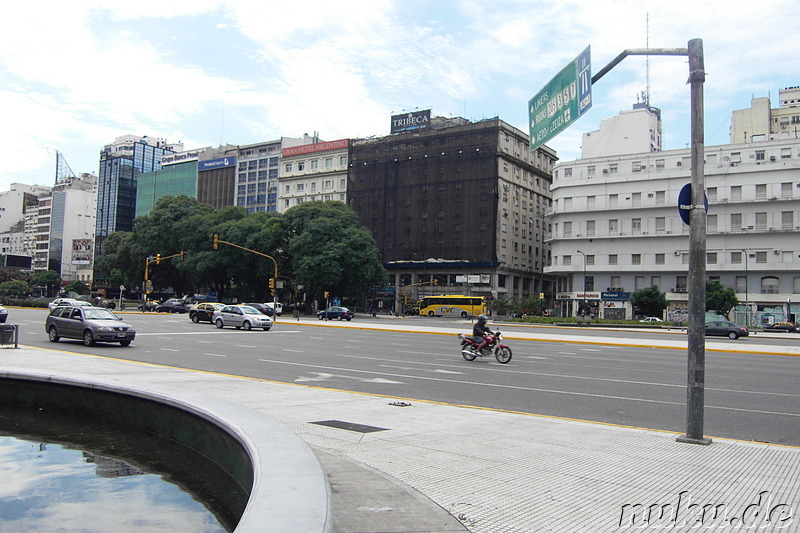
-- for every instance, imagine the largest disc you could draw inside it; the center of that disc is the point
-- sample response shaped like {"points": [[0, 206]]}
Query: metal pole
{"points": [[583, 311], [695, 394]]}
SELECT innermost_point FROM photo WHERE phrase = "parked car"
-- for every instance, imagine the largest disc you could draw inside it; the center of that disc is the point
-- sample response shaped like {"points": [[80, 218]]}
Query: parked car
{"points": [[336, 312], [3, 314], [651, 319], [782, 326], [172, 306], [204, 312], [60, 301], [241, 317], [726, 329], [263, 308], [277, 305], [90, 324]]}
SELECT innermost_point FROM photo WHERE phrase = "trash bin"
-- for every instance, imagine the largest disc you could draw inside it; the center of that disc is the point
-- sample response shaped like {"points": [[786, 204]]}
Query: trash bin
{"points": [[8, 334]]}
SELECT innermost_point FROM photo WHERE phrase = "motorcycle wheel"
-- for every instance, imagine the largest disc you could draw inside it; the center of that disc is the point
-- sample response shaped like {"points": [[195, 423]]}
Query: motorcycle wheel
{"points": [[503, 355], [465, 351]]}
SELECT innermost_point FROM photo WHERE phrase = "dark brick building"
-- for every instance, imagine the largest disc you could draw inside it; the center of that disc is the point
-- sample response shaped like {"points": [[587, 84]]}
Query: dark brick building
{"points": [[458, 202]]}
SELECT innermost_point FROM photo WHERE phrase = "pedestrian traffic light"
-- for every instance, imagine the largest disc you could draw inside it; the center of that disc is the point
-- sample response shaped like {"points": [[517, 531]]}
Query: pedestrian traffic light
{"points": [[215, 244]]}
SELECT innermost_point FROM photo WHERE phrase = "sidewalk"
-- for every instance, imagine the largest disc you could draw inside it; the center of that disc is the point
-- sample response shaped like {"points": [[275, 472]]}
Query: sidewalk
{"points": [[395, 464]]}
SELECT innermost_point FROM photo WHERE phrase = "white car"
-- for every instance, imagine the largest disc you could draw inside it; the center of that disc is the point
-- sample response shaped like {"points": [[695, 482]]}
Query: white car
{"points": [[278, 307], [61, 301], [241, 317], [3, 314], [651, 319]]}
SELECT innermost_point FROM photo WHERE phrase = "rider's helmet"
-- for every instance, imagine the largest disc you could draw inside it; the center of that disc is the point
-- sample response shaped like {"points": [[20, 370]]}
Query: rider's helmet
{"points": [[482, 319]]}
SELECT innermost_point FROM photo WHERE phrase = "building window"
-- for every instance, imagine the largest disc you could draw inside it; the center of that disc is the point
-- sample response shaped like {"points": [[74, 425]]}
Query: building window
{"points": [[760, 155], [301, 166], [589, 259], [736, 258], [613, 200], [636, 226], [612, 168], [769, 285], [655, 281], [589, 281], [638, 283], [567, 259], [590, 228], [612, 259], [636, 259], [568, 172], [711, 258], [287, 167], [680, 283], [741, 284], [660, 259], [590, 171], [613, 226], [761, 257]]}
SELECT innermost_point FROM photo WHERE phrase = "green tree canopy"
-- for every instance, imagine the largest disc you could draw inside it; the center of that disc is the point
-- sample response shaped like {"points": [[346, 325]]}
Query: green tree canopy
{"points": [[720, 299], [14, 289], [650, 301], [48, 279], [78, 287], [330, 251]]}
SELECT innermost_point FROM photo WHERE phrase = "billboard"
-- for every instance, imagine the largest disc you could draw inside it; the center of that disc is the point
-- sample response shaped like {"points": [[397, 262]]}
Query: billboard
{"points": [[220, 162], [18, 261], [82, 251], [411, 121], [316, 147]]}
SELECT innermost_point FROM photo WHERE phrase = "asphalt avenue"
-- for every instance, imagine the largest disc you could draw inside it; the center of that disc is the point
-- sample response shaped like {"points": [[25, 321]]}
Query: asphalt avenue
{"points": [[404, 465]]}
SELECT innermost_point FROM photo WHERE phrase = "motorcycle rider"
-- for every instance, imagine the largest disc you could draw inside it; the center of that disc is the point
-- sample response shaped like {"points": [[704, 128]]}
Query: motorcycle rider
{"points": [[479, 331]]}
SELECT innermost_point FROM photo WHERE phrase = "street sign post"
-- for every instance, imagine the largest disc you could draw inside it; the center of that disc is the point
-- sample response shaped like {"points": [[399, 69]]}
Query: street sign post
{"points": [[562, 101]]}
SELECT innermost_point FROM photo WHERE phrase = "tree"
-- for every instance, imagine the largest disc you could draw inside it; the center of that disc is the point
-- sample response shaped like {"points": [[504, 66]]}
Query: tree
{"points": [[14, 289], [78, 287], [650, 301], [720, 299], [48, 279], [329, 250]]}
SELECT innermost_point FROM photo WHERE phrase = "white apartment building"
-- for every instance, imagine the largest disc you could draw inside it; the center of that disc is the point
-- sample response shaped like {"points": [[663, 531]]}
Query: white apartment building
{"points": [[617, 229], [61, 227], [760, 122], [313, 172]]}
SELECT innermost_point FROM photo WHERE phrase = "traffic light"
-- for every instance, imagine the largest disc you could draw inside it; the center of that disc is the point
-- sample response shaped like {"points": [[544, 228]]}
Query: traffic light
{"points": [[215, 244], [158, 259], [271, 283], [183, 256]]}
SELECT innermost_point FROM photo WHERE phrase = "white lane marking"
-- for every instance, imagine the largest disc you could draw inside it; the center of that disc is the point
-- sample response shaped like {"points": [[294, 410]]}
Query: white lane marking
{"points": [[216, 354], [295, 351], [323, 376], [169, 350], [534, 389]]}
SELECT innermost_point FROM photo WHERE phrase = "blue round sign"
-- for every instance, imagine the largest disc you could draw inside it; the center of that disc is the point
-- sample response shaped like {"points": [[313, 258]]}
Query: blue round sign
{"points": [[685, 202]]}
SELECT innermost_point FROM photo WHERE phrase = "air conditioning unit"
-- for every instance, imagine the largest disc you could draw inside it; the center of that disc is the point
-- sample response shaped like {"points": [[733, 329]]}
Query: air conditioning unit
{"points": [[772, 158], [649, 195], [724, 200], [777, 252], [677, 252]]}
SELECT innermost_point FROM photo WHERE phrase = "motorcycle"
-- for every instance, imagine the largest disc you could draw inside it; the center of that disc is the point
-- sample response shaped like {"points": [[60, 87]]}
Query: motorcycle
{"points": [[494, 346]]}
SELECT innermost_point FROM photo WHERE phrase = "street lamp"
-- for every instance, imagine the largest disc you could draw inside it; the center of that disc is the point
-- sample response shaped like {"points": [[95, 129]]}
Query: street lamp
{"points": [[746, 296], [583, 311]]}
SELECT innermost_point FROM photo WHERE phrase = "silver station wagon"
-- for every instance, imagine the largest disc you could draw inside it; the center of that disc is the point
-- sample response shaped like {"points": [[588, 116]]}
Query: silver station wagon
{"points": [[90, 324]]}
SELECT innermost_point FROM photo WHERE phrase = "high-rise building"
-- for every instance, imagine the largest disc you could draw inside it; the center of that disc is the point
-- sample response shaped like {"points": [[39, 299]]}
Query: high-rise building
{"points": [[121, 162], [455, 203]]}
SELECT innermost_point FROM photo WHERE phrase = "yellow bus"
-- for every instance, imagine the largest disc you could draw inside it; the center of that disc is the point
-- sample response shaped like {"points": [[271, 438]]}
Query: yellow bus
{"points": [[452, 305]]}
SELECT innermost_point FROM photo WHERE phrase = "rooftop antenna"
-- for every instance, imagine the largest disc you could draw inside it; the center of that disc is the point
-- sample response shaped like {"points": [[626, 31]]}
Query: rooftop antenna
{"points": [[647, 62]]}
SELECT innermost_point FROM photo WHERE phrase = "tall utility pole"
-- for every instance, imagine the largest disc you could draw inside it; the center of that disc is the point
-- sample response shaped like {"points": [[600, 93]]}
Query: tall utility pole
{"points": [[695, 393]]}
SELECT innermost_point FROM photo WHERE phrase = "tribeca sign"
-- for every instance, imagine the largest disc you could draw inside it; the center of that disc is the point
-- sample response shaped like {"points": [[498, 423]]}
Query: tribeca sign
{"points": [[411, 121]]}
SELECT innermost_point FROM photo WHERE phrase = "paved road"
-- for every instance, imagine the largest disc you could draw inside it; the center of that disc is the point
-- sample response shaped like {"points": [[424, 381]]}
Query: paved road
{"points": [[748, 396]]}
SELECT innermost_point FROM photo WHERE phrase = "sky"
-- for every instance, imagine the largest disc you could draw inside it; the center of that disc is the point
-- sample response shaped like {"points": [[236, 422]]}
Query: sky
{"points": [[76, 75]]}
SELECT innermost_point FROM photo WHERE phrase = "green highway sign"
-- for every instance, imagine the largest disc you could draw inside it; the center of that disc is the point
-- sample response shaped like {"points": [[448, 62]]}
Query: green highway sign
{"points": [[562, 101]]}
